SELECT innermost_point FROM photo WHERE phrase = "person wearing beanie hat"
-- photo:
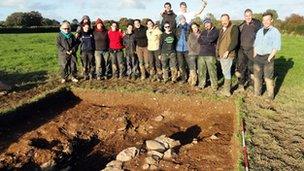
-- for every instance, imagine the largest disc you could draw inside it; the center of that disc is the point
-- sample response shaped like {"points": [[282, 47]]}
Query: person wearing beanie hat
{"points": [[182, 34], [101, 50], [206, 62], [87, 47], [67, 46], [190, 15]]}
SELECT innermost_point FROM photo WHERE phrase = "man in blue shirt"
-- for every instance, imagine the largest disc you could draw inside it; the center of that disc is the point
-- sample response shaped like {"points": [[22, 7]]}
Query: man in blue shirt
{"points": [[266, 46]]}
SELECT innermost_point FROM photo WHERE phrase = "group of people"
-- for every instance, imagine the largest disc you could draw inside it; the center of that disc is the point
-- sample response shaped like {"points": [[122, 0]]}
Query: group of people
{"points": [[175, 50]]}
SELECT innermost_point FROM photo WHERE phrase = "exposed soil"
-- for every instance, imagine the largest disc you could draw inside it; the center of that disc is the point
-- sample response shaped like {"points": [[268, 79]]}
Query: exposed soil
{"points": [[84, 130]]}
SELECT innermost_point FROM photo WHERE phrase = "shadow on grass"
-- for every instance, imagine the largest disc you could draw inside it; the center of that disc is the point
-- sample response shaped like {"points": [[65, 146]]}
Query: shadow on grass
{"points": [[29, 117], [23, 81], [282, 66]]}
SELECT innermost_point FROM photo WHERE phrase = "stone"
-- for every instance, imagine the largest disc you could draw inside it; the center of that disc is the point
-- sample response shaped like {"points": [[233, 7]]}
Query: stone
{"points": [[214, 137], [159, 118], [155, 153], [145, 166], [150, 160], [115, 164], [194, 141], [168, 154], [127, 154], [153, 167], [168, 142], [155, 145]]}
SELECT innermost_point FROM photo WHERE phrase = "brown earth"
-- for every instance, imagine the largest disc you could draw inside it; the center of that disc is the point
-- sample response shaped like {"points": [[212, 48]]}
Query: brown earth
{"points": [[86, 129]]}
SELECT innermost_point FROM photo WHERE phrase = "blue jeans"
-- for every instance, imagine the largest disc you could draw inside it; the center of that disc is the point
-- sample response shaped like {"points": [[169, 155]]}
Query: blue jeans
{"points": [[226, 67]]}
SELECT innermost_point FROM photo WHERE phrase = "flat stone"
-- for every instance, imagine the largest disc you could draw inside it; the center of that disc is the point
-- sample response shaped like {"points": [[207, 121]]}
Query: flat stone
{"points": [[145, 166], [159, 118], [150, 160], [153, 145], [127, 154], [214, 137], [115, 164], [155, 153], [168, 154], [168, 142]]}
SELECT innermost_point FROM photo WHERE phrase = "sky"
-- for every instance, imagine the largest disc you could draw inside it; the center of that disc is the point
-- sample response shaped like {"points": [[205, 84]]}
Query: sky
{"points": [[115, 9]]}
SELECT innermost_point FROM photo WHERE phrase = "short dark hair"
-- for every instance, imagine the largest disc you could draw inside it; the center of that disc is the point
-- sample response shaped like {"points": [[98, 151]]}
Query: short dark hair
{"points": [[168, 3], [183, 4], [267, 14], [114, 22], [151, 21], [136, 20], [227, 15], [248, 10]]}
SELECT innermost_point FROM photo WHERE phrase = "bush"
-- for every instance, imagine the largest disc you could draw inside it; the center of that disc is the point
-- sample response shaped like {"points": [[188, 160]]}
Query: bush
{"points": [[38, 29]]}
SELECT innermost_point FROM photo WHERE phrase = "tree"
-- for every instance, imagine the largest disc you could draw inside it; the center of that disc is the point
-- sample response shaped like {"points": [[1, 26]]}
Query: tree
{"points": [[16, 19], [50, 22], [2, 23], [33, 18], [274, 13]]}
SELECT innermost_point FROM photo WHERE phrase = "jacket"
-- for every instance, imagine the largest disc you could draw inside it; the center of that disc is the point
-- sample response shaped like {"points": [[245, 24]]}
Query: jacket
{"points": [[153, 36], [207, 41]]}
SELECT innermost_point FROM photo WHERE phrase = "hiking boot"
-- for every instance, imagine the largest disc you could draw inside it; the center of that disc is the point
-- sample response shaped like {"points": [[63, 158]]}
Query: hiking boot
{"points": [[270, 88], [174, 74]]}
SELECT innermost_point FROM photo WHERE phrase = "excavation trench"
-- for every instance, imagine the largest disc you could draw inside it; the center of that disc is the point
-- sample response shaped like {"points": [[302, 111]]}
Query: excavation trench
{"points": [[85, 130]]}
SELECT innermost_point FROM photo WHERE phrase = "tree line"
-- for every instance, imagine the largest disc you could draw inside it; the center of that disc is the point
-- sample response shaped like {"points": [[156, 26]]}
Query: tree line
{"points": [[292, 24]]}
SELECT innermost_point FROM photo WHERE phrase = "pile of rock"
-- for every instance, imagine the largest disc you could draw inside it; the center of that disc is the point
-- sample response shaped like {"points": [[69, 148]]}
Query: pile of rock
{"points": [[161, 148]]}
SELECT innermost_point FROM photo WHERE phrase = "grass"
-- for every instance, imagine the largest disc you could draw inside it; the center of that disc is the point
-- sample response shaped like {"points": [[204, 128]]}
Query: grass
{"points": [[275, 129]]}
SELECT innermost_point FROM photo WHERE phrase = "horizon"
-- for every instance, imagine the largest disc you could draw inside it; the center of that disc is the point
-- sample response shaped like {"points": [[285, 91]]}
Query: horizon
{"points": [[115, 9]]}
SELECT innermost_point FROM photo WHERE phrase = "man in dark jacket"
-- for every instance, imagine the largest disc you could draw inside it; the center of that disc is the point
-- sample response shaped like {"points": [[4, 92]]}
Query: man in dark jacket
{"points": [[87, 46], [244, 67], [141, 41], [67, 46], [102, 55], [168, 16], [130, 47], [206, 60]]}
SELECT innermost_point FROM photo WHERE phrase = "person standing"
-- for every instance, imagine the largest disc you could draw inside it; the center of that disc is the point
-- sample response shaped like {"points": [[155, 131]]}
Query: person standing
{"points": [[266, 46], [190, 15], [244, 66], [67, 46], [226, 50], [153, 35], [168, 16], [87, 47], [130, 47], [194, 49], [206, 60], [79, 30], [182, 34], [141, 47], [116, 53], [102, 56], [168, 53]]}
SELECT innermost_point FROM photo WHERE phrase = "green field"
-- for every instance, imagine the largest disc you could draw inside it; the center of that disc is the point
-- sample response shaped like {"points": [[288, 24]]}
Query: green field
{"points": [[275, 129]]}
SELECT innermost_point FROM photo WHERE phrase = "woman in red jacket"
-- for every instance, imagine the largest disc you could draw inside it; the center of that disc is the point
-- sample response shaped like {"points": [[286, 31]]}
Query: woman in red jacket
{"points": [[116, 53]]}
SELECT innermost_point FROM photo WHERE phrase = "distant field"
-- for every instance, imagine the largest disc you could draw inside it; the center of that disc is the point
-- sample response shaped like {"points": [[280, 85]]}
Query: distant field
{"points": [[275, 129]]}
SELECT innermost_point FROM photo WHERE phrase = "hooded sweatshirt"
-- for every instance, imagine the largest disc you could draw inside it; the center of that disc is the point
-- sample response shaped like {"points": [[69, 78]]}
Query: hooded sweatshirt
{"points": [[169, 17], [141, 36], [153, 36], [101, 38]]}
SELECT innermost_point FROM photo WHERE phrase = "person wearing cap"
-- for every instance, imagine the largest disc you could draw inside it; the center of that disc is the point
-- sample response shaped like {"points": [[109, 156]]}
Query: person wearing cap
{"points": [[266, 46], [226, 50], [194, 49], [206, 62], [190, 15], [79, 30], [168, 16], [102, 55], [116, 53], [244, 64], [168, 54], [182, 34], [153, 35], [87, 47], [140, 33], [67, 46], [130, 47]]}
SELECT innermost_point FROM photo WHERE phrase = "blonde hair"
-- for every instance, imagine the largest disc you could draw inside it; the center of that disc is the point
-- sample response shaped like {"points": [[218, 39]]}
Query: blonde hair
{"points": [[65, 24]]}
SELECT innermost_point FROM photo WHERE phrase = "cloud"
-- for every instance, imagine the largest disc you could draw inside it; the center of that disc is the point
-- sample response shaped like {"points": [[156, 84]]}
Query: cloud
{"points": [[132, 4], [41, 6], [11, 3]]}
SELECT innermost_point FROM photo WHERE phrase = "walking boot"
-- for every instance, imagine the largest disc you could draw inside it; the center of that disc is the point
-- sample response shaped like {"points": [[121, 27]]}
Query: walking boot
{"points": [[227, 88], [174, 74], [270, 88], [165, 75]]}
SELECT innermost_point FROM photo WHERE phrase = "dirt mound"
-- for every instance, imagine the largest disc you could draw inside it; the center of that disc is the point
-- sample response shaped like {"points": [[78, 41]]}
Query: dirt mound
{"points": [[88, 130]]}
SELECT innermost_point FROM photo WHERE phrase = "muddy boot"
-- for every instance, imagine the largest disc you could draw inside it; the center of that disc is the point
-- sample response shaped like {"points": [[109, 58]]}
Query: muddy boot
{"points": [[174, 74], [227, 88], [153, 76], [183, 77], [159, 75], [142, 73], [257, 87], [270, 88], [114, 71], [192, 78], [165, 75], [240, 88]]}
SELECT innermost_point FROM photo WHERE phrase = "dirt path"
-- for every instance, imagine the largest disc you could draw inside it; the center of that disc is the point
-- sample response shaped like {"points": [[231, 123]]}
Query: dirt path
{"points": [[87, 130]]}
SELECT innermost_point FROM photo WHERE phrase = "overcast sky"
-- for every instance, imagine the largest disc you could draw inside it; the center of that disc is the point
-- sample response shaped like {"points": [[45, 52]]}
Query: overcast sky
{"points": [[115, 9]]}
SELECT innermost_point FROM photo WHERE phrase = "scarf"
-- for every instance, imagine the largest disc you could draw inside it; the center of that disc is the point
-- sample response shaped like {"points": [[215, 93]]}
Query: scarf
{"points": [[66, 35]]}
